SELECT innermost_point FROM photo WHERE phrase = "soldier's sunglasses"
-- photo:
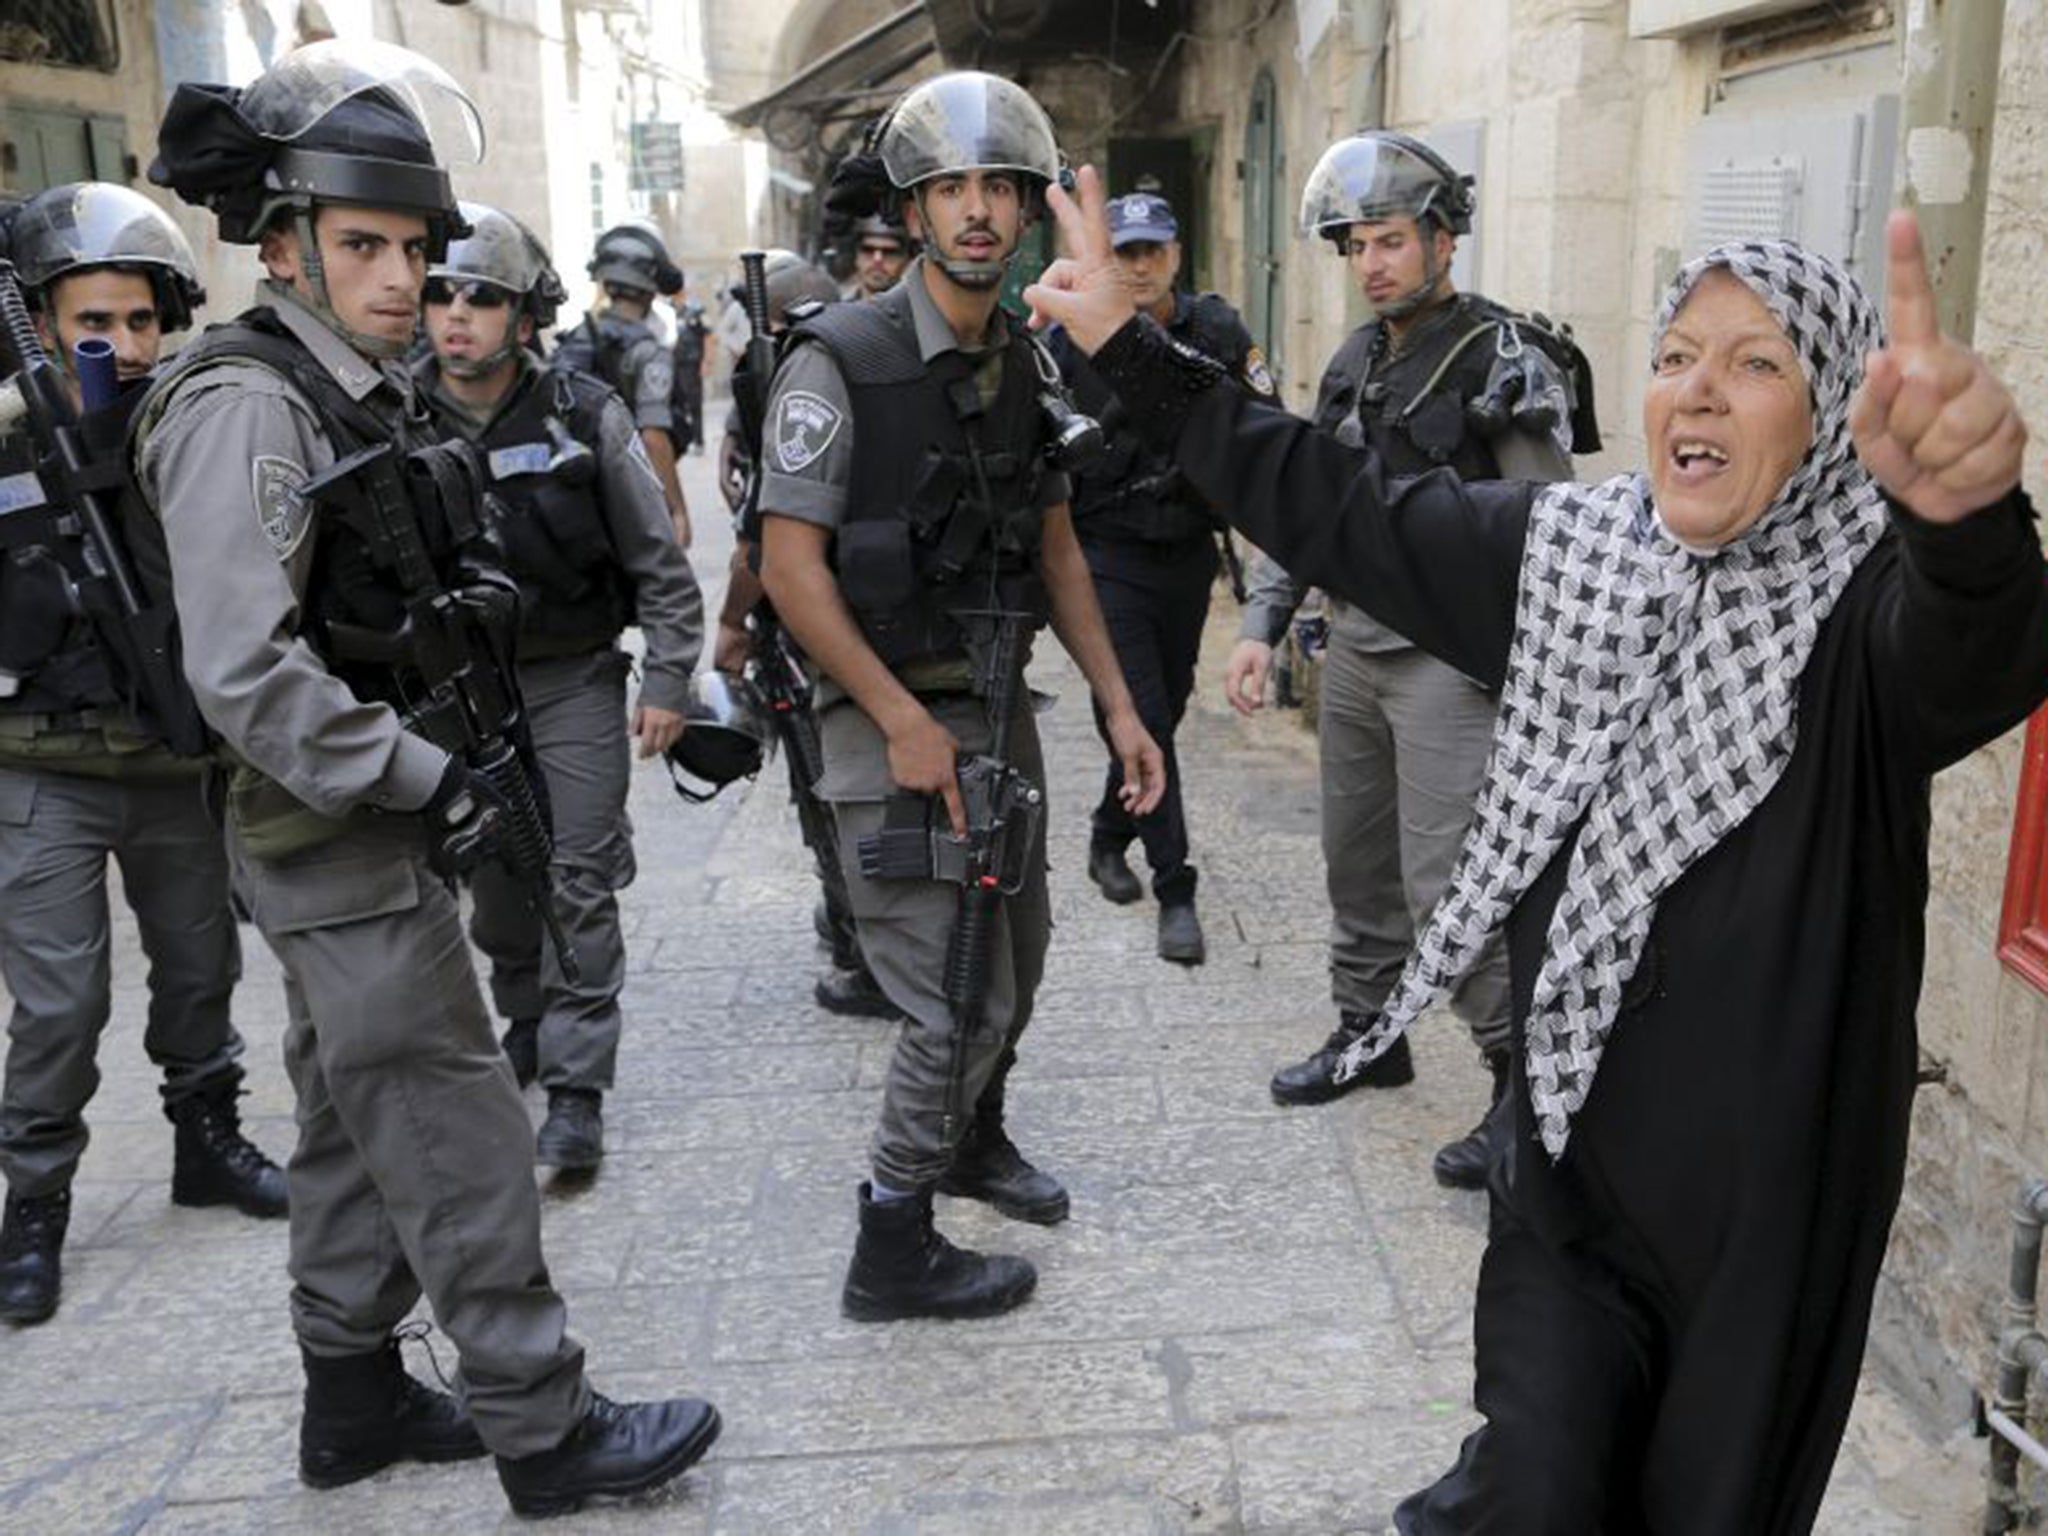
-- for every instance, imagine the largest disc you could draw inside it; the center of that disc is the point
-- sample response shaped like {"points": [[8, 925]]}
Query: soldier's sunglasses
{"points": [[480, 295]]}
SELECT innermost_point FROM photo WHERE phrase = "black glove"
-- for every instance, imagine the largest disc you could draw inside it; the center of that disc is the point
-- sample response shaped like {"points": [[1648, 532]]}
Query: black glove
{"points": [[860, 187], [465, 819]]}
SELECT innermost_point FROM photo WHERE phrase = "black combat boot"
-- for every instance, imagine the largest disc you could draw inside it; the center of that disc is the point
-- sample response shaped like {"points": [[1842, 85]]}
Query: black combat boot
{"points": [[856, 994], [1466, 1162], [213, 1163], [365, 1412], [615, 1450], [1108, 868], [1315, 1081], [1180, 930], [31, 1255], [572, 1136], [988, 1166], [522, 1049], [902, 1267]]}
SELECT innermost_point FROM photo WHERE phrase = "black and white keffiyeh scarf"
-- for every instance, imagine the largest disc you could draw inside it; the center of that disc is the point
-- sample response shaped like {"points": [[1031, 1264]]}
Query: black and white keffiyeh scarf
{"points": [[1651, 695]]}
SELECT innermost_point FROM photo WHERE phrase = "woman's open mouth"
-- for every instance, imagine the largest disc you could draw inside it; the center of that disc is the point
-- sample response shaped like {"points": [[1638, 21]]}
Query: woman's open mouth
{"points": [[1697, 460]]}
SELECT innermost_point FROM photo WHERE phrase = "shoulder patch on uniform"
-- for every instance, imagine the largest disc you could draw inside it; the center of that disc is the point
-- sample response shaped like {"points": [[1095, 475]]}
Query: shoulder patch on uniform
{"points": [[1257, 374], [804, 427], [636, 451], [279, 486], [658, 375]]}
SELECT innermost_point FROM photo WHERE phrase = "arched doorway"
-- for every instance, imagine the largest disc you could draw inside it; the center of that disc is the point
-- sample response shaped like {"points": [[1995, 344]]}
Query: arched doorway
{"points": [[1265, 221]]}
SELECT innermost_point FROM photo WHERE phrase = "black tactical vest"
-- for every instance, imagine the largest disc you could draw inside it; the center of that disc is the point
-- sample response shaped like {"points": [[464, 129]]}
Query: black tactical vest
{"points": [[1135, 491], [44, 641], [607, 349], [941, 520], [352, 586], [47, 651], [1414, 408], [586, 349], [574, 595]]}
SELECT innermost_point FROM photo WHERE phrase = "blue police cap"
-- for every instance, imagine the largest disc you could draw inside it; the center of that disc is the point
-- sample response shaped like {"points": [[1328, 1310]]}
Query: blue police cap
{"points": [[1141, 216]]}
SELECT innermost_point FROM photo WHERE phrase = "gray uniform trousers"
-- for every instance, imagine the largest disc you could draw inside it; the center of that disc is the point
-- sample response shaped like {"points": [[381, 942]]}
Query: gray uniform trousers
{"points": [[414, 1165], [576, 708], [1404, 742], [904, 926], [57, 831]]}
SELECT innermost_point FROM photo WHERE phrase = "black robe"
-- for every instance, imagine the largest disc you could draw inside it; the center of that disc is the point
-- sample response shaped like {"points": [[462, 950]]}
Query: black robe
{"points": [[1739, 1160]]}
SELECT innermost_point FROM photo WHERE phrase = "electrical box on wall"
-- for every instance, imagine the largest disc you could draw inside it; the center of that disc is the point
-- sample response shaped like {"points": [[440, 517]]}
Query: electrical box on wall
{"points": [[1822, 177]]}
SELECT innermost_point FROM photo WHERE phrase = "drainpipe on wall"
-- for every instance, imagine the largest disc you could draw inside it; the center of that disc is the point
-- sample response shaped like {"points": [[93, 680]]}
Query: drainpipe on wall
{"points": [[1951, 94], [2022, 1351], [1369, 26]]}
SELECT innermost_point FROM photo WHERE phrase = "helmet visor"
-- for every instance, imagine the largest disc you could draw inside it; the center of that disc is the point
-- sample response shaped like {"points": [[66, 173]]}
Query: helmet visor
{"points": [[94, 223], [1366, 180], [968, 122], [301, 88]]}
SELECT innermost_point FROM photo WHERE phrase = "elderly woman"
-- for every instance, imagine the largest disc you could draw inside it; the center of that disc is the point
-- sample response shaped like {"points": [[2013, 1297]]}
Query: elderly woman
{"points": [[1725, 685]]}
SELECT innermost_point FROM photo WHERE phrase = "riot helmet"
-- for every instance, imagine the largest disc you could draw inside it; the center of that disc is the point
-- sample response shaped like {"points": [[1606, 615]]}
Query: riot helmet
{"points": [[354, 122], [880, 226], [90, 224], [726, 736], [633, 255], [11, 204], [792, 281], [503, 253], [967, 121], [1378, 175]]}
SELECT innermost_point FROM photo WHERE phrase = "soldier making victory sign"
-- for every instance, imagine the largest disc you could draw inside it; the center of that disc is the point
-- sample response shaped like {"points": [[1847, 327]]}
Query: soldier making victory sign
{"points": [[348, 632], [915, 534], [85, 776], [586, 533], [1726, 683]]}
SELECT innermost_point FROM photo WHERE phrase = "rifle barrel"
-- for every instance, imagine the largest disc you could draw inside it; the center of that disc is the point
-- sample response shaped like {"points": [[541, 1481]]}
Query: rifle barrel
{"points": [[99, 382]]}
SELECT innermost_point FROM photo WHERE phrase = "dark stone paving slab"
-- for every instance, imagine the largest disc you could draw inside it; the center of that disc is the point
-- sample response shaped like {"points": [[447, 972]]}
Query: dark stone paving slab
{"points": [[1257, 1320]]}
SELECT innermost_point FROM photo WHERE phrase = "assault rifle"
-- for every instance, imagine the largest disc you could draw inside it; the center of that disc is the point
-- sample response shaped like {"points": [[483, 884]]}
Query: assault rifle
{"points": [[1004, 810], [772, 665], [451, 654], [66, 507], [775, 672]]}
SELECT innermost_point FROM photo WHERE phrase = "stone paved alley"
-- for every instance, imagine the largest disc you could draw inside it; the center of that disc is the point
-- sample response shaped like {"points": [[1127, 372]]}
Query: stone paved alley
{"points": [[1257, 1319]]}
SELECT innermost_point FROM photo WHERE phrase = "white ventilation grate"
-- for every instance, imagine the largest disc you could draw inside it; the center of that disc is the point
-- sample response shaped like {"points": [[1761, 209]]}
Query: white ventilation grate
{"points": [[1746, 200]]}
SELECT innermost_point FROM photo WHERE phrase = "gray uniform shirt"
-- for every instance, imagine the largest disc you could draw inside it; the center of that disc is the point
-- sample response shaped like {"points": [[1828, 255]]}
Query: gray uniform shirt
{"points": [[224, 458], [645, 370], [807, 457], [668, 604]]}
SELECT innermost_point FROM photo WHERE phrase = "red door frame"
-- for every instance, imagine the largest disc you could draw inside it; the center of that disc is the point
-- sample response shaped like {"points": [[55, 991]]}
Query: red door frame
{"points": [[2023, 926]]}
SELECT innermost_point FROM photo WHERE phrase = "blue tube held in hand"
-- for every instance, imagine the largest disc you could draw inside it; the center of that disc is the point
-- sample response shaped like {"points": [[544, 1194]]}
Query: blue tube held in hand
{"points": [[98, 380]]}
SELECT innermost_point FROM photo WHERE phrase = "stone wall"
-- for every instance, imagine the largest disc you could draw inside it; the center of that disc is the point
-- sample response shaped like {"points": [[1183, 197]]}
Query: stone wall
{"points": [[1986, 1127]]}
